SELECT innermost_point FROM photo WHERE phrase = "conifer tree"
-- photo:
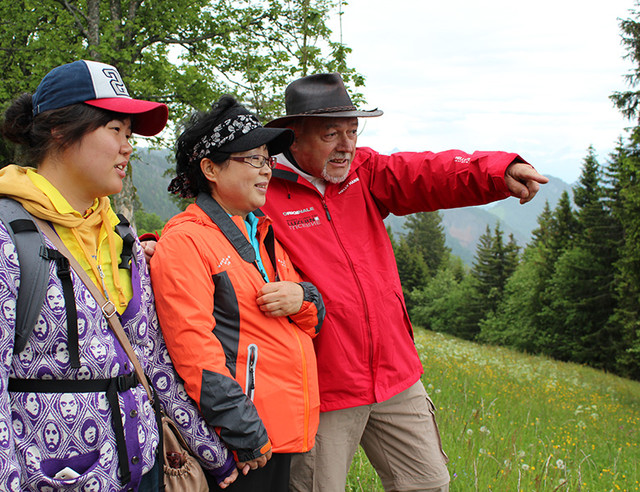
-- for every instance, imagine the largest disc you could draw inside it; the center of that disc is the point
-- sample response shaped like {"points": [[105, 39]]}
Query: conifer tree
{"points": [[624, 193], [626, 167], [425, 233], [515, 321], [494, 262], [581, 288], [553, 239]]}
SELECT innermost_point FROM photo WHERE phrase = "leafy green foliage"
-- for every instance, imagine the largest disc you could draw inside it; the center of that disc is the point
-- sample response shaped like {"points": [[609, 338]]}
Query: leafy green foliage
{"points": [[447, 304], [185, 54], [148, 222]]}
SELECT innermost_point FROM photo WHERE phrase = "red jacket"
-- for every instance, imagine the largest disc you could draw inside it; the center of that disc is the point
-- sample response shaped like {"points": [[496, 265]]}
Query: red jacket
{"points": [[340, 244], [223, 345]]}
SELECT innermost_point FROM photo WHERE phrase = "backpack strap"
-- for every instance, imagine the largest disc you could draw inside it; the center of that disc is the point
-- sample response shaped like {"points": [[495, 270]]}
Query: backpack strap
{"points": [[34, 270], [123, 229]]}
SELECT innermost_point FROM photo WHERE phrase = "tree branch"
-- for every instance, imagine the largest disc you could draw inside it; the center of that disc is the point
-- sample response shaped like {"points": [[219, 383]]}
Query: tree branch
{"points": [[76, 14]]}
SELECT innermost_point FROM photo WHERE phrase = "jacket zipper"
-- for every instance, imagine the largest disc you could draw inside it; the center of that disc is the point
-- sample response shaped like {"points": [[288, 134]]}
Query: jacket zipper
{"points": [[252, 360], [305, 389], [357, 280]]}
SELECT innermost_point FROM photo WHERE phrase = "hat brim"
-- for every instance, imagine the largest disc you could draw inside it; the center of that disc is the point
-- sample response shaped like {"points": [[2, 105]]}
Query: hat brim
{"points": [[285, 120], [277, 140], [147, 118]]}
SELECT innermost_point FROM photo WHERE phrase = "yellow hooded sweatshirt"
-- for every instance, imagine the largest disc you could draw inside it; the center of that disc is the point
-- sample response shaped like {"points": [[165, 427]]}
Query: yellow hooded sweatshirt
{"points": [[90, 238]]}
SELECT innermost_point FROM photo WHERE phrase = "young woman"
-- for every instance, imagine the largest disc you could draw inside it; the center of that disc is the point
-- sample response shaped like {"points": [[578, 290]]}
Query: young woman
{"points": [[76, 417], [236, 317]]}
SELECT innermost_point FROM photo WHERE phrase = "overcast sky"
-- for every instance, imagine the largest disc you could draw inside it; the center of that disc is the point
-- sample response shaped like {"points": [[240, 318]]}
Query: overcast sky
{"points": [[532, 77]]}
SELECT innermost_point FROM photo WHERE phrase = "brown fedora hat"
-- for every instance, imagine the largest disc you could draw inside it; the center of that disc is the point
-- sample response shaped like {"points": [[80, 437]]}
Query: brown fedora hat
{"points": [[322, 94]]}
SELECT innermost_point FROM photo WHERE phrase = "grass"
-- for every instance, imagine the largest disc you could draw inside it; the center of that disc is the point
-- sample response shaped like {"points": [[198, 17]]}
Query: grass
{"points": [[513, 422]]}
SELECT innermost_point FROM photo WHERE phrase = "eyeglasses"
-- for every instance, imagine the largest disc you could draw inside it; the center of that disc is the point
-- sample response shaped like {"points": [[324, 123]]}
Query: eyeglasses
{"points": [[257, 161]]}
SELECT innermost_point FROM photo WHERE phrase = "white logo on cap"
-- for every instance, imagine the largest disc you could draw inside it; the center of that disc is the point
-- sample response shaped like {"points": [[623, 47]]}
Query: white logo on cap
{"points": [[116, 82], [106, 80]]}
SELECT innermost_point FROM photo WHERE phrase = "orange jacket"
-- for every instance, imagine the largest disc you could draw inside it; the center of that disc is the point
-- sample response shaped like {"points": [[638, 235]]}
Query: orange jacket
{"points": [[223, 346]]}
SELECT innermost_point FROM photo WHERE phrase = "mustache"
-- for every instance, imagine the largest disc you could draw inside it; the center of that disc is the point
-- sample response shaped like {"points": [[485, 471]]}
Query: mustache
{"points": [[340, 155]]}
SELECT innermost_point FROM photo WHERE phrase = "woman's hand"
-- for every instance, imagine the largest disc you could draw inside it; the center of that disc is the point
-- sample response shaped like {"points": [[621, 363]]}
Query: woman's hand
{"points": [[259, 462], [230, 479], [280, 298]]}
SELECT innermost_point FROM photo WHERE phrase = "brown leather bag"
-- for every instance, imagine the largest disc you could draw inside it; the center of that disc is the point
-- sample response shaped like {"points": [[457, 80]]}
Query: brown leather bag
{"points": [[182, 473]]}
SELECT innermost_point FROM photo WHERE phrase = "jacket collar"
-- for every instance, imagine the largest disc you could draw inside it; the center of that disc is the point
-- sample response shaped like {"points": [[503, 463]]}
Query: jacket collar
{"points": [[289, 170]]}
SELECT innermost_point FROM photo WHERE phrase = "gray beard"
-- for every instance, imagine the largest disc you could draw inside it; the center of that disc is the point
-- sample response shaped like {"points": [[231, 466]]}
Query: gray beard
{"points": [[334, 179]]}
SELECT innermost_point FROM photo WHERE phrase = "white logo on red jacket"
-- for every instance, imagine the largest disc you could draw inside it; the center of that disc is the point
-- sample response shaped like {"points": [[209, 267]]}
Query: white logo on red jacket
{"points": [[311, 219], [297, 212], [354, 180]]}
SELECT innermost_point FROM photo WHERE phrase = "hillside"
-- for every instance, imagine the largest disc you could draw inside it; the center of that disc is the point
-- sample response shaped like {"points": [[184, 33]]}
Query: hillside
{"points": [[511, 421]]}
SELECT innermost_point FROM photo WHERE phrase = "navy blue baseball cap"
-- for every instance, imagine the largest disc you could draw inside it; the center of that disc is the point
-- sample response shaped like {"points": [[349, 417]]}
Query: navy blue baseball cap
{"points": [[99, 85]]}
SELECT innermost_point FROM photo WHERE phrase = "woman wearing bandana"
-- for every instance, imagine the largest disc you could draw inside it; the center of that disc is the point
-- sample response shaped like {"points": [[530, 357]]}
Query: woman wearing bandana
{"points": [[237, 320]]}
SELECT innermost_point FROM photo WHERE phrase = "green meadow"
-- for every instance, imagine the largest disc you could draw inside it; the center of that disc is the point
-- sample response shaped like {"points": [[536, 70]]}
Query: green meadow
{"points": [[514, 422]]}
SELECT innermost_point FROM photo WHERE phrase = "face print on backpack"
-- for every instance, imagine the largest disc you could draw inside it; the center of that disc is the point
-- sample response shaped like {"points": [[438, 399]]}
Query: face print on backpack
{"points": [[17, 424], [4, 434], [9, 310], [92, 485], [41, 328], [84, 373], [32, 405], [51, 435], [45, 373], [68, 407], [142, 435], [161, 383], [61, 354], [89, 300], [55, 300], [89, 432], [107, 452], [182, 393], [182, 418], [82, 325], [10, 253], [102, 404], [142, 329], [98, 349], [26, 356], [206, 453], [14, 482], [33, 458]]}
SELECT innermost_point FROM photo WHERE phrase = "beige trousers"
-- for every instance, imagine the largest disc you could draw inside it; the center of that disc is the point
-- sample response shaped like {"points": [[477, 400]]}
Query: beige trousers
{"points": [[399, 436]]}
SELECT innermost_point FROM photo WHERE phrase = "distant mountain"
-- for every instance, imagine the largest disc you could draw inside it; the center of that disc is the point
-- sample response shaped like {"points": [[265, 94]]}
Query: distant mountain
{"points": [[149, 167], [464, 226]]}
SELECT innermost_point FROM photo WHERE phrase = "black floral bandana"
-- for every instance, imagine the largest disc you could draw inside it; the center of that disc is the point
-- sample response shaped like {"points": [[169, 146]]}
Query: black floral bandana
{"points": [[181, 186], [225, 132]]}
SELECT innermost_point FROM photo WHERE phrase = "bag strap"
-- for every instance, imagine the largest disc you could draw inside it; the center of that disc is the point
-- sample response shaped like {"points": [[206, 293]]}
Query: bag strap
{"points": [[108, 308]]}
